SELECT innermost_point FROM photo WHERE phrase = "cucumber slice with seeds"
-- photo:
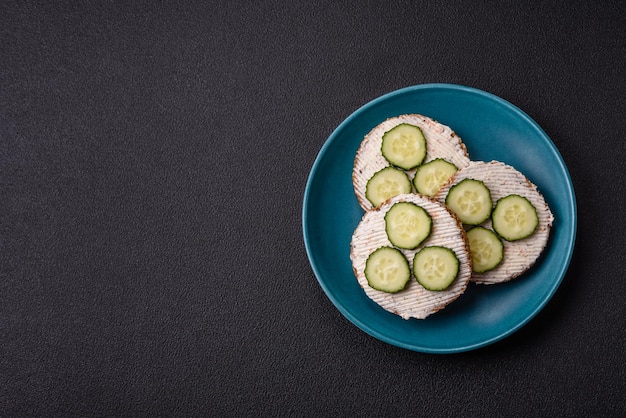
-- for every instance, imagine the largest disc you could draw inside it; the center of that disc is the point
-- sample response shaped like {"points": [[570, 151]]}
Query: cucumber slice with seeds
{"points": [[404, 146], [387, 270], [486, 249], [431, 176], [407, 225], [435, 267], [514, 218], [386, 183], [470, 200]]}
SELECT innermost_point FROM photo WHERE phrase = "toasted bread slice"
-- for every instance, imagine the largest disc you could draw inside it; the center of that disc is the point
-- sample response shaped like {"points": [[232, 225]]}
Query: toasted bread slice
{"points": [[414, 301], [441, 142], [503, 180]]}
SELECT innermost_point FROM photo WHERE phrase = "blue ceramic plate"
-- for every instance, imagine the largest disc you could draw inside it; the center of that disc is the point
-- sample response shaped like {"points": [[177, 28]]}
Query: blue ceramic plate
{"points": [[492, 129]]}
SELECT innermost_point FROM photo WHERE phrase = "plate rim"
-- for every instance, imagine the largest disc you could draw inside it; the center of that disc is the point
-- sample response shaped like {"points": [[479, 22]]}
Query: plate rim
{"points": [[572, 227]]}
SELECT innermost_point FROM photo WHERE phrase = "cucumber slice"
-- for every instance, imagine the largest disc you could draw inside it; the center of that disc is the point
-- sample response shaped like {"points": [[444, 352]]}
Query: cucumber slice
{"points": [[431, 176], [435, 267], [387, 269], [386, 183], [407, 225], [486, 249], [470, 200], [404, 146], [514, 218]]}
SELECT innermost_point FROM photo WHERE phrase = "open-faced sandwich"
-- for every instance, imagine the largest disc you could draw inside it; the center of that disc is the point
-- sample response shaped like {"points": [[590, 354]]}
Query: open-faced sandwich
{"points": [[388, 158], [507, 220], [410, 256]]}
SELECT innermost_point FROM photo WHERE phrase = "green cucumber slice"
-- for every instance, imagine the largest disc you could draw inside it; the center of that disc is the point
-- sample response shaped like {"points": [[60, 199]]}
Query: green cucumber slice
{"points": [[386, 183], [435, 267], [486, 249], [407, 225], [387, 270], [404, 146], [470, 200], [514, 218], [431, 176]]}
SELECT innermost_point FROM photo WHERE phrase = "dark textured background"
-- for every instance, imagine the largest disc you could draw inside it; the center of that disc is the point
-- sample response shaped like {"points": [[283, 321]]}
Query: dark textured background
{"points": [[153, 159]]}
